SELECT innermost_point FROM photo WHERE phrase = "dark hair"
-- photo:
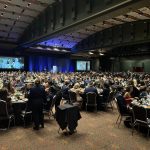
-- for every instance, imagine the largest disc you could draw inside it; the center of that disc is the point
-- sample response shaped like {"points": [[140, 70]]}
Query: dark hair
{"points": [[119, 88], [37, 82]]}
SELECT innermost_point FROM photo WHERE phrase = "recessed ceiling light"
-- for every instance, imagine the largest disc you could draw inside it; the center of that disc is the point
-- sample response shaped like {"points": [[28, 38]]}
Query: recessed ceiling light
{"points": [[39, 47], [56, 49], [91, 53], [101, 54], [28, 4], [5, 6], [64, 50], [48, 48]]}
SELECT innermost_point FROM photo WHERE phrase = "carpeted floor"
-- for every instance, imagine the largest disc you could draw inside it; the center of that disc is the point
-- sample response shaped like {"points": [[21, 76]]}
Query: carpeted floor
{"points": [[96, 131]]}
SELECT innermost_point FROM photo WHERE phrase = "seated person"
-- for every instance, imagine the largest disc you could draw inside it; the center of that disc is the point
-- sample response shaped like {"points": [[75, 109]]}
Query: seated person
{"points": [[78, 91], [143, 92], [127, 96], [65, 88], [90, 88], [9, 87], [135, 92], [121, 101], [5, 97], [148, 92], [105, 93]]}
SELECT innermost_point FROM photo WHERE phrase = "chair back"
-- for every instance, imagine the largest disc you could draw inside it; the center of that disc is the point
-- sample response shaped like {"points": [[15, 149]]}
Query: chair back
{"points": [[121, 105], [111, 96], [53, 102], [3, 109], [118, 108], [27, 108], [72, 97], [139, 114], [91, 98]]}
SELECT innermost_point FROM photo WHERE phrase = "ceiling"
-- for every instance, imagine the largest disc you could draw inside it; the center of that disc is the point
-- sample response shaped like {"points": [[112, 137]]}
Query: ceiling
{"points": [[16, 15], [71, 39]]}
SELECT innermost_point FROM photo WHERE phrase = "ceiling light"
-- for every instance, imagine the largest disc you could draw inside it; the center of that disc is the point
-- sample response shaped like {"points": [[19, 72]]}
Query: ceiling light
{"points": [[39, 47], [101, 54], [56, 49], [48, 48], [18, 17], [64, 50], [5, 6], [91, 53], [28, 4]]}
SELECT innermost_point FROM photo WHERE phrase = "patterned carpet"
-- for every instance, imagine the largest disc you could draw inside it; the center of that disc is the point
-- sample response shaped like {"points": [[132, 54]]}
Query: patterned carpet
{"points": [[96, 131]]}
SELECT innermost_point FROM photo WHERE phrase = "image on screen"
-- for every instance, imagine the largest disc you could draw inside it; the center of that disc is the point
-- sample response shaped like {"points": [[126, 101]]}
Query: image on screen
{"points": [[83, 65], [11, 63]]}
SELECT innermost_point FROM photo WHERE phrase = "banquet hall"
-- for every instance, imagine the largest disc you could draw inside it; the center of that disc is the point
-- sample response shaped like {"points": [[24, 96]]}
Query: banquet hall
{"points": [[74, 74]]}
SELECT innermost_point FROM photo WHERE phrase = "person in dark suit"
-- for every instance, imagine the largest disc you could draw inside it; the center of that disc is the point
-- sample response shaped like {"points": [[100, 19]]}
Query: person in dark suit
{"points": [[91, 88], [121, 101], [65, 90], [37, 96], [106, 92]]}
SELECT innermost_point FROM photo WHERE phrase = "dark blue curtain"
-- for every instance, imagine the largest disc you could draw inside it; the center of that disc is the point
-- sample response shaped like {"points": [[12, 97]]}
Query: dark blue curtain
{"points": [[41, 63]]}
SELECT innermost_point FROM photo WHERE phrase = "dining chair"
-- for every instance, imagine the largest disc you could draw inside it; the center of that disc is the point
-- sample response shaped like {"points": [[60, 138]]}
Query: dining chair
{"points": [[26, 113], [72, 97], [4, 115], [122, 115], [140, 117], [91, 100]]}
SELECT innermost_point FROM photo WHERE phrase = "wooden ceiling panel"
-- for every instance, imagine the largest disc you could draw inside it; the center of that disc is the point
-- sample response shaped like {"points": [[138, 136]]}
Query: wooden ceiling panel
{"points": [[10, 15], [47, 1], [21, 24], [6, 21], [16, 15], [19, 3], [18, 30], [137, 15], [2, 6], [13, 9], [115, 21], [4, 27], [37, 7], [30, 13], [26, 19]]}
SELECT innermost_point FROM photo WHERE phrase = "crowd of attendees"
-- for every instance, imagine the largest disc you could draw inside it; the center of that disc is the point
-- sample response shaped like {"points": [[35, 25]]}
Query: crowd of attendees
{"points": [[133, 84], [128, 84]]}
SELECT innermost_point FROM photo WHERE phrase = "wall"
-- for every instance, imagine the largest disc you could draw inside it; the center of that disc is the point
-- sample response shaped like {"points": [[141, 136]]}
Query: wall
{"points": [[125, 64], [95, 64]]}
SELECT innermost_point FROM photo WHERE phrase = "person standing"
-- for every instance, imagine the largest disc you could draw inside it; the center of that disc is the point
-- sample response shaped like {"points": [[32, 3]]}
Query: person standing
{"points": [[37, 96]]}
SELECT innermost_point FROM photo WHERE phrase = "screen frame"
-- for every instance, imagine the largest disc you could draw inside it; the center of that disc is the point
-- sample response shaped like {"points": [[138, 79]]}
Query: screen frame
{"points": [[83, 70], [14, 69]]}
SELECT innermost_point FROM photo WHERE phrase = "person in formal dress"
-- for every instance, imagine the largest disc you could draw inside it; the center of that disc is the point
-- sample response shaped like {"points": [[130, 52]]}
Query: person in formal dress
{"points": [[37, 96]]}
